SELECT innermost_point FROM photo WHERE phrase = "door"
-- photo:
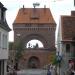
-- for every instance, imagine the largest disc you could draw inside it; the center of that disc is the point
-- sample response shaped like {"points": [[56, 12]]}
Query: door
{"points": [[33, 62]]}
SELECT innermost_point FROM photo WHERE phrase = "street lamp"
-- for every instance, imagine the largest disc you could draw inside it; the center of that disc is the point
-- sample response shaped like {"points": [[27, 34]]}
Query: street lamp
{"points": [[59, 58]]}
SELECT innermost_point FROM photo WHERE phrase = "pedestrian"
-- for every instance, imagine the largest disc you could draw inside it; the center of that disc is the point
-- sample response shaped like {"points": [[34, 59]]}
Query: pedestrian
{"points": [[68, 71], [72, 72], [48, 72], [7, 68], [52, 69], [14, 72]]}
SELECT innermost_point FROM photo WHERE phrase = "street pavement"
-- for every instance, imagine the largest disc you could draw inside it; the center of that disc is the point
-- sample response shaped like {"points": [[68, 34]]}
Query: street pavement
{"points": [[32, 72]]}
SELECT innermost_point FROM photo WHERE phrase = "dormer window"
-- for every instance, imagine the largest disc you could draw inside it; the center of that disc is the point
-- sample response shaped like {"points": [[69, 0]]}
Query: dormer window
{"points": [[34, 17], [35, 14], [3, 14], [0, 13]]}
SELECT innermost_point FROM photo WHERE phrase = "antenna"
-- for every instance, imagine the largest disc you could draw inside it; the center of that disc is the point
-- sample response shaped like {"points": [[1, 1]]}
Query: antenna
{"points": [[36, 4]]}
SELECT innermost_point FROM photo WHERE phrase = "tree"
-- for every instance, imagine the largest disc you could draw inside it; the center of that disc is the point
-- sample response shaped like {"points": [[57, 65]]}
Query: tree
{"points": [[10, 45], [55, 60], [18, 47]]}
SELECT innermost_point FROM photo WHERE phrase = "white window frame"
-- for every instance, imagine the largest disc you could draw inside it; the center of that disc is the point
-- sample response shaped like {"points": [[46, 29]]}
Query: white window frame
{"points": [[4, 41], [0, 13], [0, 39]]}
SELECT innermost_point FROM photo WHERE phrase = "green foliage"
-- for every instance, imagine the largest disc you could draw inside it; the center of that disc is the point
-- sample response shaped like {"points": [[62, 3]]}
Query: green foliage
{"points": [[18, 46], [55, 60], [10, 45]]}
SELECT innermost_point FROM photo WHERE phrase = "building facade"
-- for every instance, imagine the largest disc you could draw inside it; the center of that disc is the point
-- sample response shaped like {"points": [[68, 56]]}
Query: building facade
{"points": [[4, 29], [30, 24], [66, 42]]}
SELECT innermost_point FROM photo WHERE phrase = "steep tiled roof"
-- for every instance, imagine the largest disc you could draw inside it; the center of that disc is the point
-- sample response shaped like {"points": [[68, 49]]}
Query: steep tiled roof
{"points": [[1, 5], [68, 27], [3, 24], [34, 15]]}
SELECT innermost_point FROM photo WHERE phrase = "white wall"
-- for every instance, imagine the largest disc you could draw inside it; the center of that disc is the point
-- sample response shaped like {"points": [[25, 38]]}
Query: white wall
{"points": [[0, 13], [3, 51]]}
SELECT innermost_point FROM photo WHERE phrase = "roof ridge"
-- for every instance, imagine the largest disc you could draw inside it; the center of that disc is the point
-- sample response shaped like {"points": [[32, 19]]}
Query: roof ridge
{"points": [[45, 15]]}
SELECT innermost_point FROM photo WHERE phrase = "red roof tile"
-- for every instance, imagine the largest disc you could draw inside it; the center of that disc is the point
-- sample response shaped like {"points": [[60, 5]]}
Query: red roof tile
{"points": [[34, 15], [68, 27]]}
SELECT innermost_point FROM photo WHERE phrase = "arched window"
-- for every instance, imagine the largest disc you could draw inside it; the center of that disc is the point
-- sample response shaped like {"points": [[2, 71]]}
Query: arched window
{"points": [[67, 47], [73, 41], [34, 43]]}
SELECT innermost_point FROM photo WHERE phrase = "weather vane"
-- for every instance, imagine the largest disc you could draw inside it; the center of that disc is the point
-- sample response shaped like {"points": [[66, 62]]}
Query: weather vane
{"points": [[36, 4]]}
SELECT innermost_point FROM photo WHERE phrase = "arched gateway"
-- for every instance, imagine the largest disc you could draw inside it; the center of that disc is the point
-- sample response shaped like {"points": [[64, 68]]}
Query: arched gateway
{"points": [[31, 24], [33, 62]]}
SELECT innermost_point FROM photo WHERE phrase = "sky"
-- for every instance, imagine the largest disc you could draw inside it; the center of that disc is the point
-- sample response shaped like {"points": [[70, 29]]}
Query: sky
{"points": [[57, 7]]}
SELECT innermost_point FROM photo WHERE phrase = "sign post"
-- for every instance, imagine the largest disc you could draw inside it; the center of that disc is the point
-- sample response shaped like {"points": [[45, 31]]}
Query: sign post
{"points": [[59, 58]]}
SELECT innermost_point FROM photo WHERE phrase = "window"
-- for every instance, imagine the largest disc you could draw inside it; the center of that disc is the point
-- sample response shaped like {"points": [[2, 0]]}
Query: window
{"points": [[67, 47], [34, 43], [73, 43], [0, 39], [3, 41], [0, 67], [6, 41], [0, 13], [4, 45]]}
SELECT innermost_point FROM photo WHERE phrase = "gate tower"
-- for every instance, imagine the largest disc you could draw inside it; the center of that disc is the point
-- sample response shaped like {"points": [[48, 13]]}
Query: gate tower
{"points": [[35, 23]]}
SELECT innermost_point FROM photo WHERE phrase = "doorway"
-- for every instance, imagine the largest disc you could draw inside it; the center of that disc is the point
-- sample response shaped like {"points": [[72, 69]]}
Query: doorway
{"points": [[33, 62]]}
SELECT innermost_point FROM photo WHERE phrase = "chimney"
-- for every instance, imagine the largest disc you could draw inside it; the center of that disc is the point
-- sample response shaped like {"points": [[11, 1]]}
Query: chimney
{"points": [[23, 6], [23, 9], [44, 8]]}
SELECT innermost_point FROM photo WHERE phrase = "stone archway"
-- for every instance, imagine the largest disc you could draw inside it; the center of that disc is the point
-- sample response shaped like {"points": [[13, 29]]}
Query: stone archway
{"points": [[37, 37], [33, 62]]}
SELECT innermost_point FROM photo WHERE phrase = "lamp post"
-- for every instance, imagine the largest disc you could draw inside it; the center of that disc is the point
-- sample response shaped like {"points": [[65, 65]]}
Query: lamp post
{"points": [[59, 58]]}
